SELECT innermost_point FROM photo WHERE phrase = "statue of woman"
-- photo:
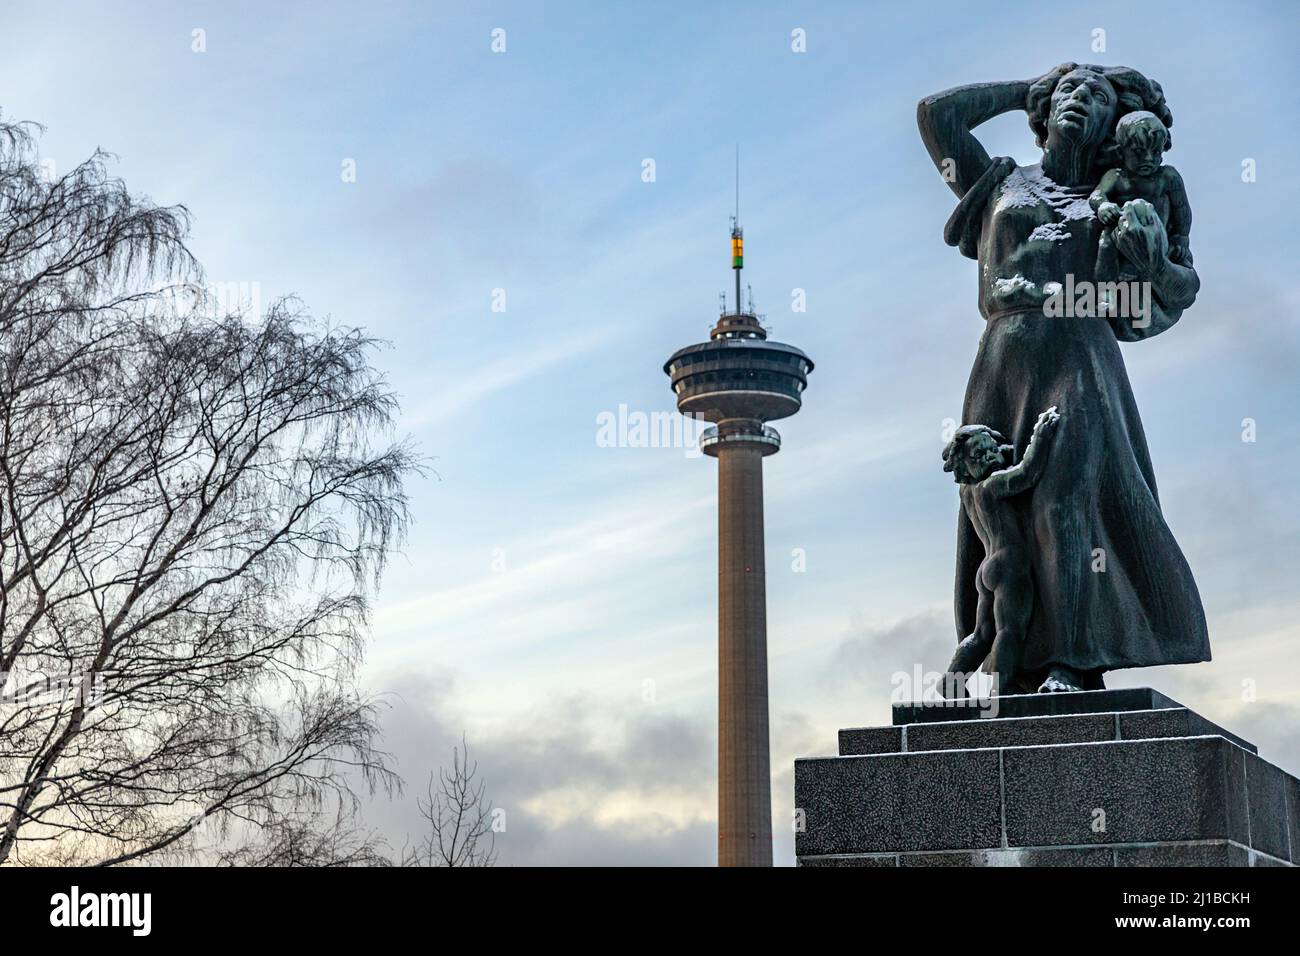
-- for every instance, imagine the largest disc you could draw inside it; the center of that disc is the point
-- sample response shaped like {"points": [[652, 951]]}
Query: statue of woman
{"points": [[1112, 588]]}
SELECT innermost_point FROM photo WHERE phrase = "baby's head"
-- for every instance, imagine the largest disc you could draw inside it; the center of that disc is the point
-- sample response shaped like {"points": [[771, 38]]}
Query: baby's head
{"points": [[975, 452], [1142, 141]]}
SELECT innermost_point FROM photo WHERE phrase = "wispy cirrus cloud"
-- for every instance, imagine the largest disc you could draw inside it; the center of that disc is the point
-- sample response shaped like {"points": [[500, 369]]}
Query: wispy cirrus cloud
{"points": [[499, 375]]}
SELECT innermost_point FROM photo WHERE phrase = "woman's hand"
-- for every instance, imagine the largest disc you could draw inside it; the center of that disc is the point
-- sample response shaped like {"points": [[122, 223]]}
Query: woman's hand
{"points": [[1139, 235]]}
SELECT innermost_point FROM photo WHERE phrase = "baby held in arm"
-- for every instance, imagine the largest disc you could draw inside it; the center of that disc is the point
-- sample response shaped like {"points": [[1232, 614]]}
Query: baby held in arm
{"points": [[1142, 140]]}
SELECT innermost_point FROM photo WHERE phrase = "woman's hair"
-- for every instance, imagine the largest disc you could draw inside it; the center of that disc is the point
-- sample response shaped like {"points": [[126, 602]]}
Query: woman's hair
{"points": [[1135, 92]]}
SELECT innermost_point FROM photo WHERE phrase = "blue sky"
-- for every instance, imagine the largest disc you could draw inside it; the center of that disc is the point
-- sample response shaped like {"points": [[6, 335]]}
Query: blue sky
{"points": [[556, 598]]}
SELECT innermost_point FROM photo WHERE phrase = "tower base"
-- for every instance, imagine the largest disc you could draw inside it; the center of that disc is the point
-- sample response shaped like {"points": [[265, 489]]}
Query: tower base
{"points": [[1095, 778]]}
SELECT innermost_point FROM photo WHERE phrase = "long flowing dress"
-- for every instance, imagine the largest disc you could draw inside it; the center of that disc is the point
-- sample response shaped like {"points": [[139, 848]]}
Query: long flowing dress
{"points": [[1112, 588]]}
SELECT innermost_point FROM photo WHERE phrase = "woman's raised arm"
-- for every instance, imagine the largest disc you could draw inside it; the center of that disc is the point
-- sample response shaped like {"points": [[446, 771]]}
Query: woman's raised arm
{"points": [[946, 120]]}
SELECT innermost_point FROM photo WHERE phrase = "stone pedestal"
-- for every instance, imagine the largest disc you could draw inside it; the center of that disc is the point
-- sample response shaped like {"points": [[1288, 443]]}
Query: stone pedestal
{"points": [[1097, 778]]}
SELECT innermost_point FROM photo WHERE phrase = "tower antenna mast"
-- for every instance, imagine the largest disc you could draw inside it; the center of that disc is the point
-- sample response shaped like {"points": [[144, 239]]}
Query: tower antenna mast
{"points": [[737, 239]]}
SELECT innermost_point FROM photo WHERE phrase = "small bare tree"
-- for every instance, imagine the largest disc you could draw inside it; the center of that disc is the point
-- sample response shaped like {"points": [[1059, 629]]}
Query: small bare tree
{"points": [[194, 508], [459, 817]]}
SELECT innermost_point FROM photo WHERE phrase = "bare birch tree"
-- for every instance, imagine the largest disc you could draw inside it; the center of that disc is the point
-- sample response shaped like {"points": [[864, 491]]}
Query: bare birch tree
{"points": [[194, 510]]}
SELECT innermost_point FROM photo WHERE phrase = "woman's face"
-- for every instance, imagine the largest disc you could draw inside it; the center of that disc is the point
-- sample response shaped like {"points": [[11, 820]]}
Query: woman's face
{"points": [[1082, 108]]}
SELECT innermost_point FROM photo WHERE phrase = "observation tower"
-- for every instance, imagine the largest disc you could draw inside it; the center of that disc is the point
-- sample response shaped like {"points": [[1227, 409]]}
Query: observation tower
{"points": [[740, 381]]}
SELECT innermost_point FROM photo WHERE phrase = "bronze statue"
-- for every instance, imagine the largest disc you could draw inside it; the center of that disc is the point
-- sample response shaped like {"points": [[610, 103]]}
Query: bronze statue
{"points": [[1111, 589]]}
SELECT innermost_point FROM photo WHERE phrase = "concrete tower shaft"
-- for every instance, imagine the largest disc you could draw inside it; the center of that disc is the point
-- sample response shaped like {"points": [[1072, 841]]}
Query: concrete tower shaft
{"points": [[744, 774]]}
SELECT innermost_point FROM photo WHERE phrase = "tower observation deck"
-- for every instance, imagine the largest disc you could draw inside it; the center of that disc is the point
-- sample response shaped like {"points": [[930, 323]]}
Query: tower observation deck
{"points": [[740, 381]]}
